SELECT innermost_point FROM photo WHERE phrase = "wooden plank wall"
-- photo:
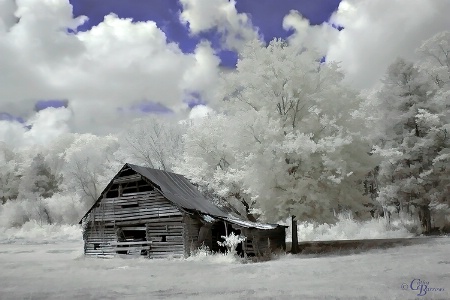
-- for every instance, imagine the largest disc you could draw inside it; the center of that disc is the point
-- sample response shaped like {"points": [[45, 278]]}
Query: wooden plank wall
{"points": [[191, 228], [150, 207], [166, 235], [135, 206], [260, 242], [97, 237]]}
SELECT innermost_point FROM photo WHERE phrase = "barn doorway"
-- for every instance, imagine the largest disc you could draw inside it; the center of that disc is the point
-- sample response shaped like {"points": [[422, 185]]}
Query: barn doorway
{"points": [[132, 240], [220, 229]]}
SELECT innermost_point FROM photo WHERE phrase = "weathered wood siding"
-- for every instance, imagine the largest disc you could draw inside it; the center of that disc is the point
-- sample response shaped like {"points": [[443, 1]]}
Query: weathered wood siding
{"points": [[131, 207], [166, 235], [161, 217], [191, 228], [97, 238]]}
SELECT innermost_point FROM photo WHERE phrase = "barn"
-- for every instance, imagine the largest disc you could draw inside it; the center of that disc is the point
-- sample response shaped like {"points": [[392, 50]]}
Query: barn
{"points": [[160, 214]]}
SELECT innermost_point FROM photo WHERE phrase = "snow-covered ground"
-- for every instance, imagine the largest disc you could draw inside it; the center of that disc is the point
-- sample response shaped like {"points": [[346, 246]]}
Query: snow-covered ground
{"points": [[60, 271]]}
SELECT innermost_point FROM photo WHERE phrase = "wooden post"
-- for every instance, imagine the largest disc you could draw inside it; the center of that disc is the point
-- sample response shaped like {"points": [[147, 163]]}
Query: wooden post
{"points": [[294, 247], [226, 228]]}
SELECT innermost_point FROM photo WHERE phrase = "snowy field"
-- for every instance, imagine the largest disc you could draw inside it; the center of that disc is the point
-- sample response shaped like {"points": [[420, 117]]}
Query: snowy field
{"points": [[60, 271]]}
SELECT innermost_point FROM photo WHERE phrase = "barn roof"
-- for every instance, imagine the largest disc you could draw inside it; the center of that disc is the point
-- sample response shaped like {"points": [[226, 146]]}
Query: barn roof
{"points": [[181, 192]]}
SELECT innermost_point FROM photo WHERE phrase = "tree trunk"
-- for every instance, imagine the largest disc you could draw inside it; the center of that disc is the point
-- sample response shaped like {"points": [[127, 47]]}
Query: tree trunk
{"points": [[425, 218], [250, 216], [294, 248]]}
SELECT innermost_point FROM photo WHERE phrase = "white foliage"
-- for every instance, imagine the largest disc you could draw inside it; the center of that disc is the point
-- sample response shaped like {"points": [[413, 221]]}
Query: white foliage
{"points": [[89, 165], [415, 116], [154, 142], [347, 228], [288, 140], [231, 242]]}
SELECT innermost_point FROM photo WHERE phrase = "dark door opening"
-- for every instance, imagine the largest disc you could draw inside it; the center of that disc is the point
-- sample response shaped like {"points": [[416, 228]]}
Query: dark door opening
{"points": [[132, 240], [219, 230]]}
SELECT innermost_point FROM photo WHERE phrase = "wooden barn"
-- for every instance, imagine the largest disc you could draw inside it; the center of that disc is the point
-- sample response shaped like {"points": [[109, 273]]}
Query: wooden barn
{"points": [[161, 214]]}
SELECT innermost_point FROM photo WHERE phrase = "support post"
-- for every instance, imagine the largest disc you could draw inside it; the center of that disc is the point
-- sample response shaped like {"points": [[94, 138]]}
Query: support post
{"points": [[120, 190], [294, 247]]}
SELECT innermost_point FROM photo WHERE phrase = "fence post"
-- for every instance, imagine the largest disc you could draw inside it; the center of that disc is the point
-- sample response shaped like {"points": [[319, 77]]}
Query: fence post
{"points": [[294, 247]]}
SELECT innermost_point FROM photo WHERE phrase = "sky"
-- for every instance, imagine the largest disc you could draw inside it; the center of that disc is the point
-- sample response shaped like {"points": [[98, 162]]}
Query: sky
{"points": [[94, 62]]}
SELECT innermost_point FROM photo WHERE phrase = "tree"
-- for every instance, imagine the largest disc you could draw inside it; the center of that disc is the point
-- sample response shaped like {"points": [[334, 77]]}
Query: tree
{"points": [[9, 173], [154, 142], [435, 58], [415, 140], [288, 139], [39, 180], [89, 165]]}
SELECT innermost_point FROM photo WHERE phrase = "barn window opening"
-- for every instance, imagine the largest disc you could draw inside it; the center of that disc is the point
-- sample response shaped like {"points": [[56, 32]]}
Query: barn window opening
{"points": [[127, 172], [145, 188], [96, 246], [132, 240], [134, 234], [130, 205], [163, 238], [112, 194]]}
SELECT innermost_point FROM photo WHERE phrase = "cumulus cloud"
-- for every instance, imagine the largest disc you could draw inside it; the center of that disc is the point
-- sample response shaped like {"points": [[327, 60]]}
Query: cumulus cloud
{"points": [[221, 15], [117, 63], [7, 18], [200, 111], [48, 124], [197, 79], [317, 37], [376, 32], [41, 129]]}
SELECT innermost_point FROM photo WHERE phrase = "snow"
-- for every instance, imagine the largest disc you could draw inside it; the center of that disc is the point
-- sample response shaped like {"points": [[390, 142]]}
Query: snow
{"points": [[60, 271]]}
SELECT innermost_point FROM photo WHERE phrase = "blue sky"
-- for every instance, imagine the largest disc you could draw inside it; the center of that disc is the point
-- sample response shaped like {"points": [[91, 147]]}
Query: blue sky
{"points": [[159, 62], [266, 15]]}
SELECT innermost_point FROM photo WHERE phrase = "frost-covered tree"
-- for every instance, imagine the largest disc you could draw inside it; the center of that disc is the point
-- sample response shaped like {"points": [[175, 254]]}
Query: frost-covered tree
{"points": [[39, 179], [89, 165], [415, 117], [9, 173], [435, 54], [405, 93], [435, 58], [288, 140], [153, 142]]}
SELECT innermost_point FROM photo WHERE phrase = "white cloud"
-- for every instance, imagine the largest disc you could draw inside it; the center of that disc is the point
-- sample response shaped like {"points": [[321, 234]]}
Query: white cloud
{"points": [[11, 133], [317, 37], [115, 64], [198, 77], [200, 111], [204, 15], [48, 124], [45, 126], [7, 18], [376, 32]]}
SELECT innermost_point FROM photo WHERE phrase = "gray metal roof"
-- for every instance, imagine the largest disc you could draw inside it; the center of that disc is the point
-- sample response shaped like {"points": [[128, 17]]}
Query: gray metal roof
{"points": [[180, 191]]}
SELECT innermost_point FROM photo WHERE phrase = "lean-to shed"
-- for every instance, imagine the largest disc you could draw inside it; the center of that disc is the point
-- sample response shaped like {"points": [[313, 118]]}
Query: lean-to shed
{"points": [[161, 214]]}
